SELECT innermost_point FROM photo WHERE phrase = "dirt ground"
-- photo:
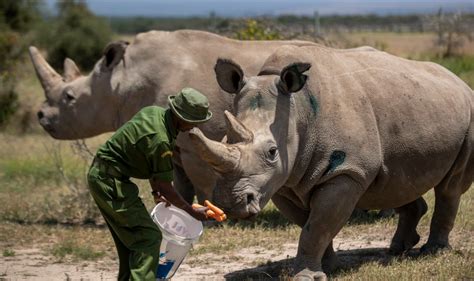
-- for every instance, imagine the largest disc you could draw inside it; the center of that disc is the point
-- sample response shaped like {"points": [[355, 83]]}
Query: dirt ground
{"points": [[32, 264]]}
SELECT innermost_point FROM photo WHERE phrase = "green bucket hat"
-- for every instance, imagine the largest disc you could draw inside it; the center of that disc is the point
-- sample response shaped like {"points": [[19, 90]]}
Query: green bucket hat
{"points": [[190, 105]]}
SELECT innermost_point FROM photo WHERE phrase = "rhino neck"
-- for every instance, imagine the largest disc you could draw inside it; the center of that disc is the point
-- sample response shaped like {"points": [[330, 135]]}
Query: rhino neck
{"points": [[306, 114], [130, 90]]}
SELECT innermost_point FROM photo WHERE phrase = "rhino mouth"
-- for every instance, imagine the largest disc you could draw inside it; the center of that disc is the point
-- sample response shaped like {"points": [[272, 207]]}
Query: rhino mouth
{"points": [[245, 209], [247, 213], [47, 126]]}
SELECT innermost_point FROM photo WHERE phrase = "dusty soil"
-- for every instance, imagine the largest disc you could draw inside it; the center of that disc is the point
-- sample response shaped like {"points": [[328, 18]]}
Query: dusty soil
{"points": [[32, 264]]}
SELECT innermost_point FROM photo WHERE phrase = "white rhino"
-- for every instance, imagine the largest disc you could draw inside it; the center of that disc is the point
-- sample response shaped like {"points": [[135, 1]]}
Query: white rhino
{"points": [[360, 129], [130, 76]]}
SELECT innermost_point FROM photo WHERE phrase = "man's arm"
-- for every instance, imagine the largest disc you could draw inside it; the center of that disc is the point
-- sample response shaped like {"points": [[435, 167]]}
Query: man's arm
{"points": [[166, 189]]}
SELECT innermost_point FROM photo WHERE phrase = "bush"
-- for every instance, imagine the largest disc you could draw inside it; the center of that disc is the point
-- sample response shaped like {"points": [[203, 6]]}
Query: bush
{"points": [[77, 33], [8, 96], [16, 17], [256, 31], [8, 100], [452, 31]]}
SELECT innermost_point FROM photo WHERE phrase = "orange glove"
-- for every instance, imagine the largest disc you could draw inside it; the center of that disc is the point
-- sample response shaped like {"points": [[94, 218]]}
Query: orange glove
{"points": [[213, 212]]}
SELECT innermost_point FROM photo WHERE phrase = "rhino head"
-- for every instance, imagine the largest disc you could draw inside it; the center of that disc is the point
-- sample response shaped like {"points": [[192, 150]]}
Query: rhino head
{"points": [[259, 151], [78, 106]]}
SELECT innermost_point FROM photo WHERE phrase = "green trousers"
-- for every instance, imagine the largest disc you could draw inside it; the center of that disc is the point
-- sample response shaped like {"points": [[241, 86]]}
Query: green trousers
{"points": [[136, 236]]}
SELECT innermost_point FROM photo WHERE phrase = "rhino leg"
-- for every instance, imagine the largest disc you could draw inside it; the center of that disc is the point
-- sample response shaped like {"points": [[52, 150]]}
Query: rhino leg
{"points": [[200, 174], [445, 210], [331, 206], [406, 236], [182, 184], [447, 196], [299, 216], [330, 261], [441, 224], [289, 209]]}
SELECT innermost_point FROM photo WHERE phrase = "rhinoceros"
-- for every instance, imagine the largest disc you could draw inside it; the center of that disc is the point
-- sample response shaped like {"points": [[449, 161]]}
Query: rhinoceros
{"points": [[321, 131], [131, 76]]}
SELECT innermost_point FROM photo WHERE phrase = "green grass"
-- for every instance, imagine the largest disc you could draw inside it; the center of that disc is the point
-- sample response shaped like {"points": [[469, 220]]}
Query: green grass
{"points": [[44, 181], [33, 160], [8, 253], [457, 64], [71, 248], [35, 170], [463, 66]]}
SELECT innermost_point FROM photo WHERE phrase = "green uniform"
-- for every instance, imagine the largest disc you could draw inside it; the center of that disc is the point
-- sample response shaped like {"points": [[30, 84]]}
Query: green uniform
{"points": [[141, 148]]}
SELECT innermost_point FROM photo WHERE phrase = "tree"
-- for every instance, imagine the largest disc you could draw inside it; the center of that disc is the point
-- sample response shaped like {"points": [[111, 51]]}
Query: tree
{"points": [[452, 30], [77, 34], [19, 15], [16, 19]]}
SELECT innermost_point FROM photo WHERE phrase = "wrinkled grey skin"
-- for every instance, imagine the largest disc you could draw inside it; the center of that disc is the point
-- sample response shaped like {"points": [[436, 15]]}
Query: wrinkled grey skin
{"points": [[131, 76], [322, 131]]}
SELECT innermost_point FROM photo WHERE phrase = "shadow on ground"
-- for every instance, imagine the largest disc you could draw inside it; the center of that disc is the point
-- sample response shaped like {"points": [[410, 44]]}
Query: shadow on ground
{"points": [[350, 260], [274, 219]]}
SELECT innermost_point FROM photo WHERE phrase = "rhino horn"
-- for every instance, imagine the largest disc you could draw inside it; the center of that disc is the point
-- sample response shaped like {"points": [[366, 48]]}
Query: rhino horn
{"points": [[48, 77], [223, 158], [236, 131], [71, 71]]}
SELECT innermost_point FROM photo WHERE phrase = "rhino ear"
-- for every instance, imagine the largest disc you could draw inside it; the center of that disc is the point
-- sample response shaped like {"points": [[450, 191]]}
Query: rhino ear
{"points": [[292, 78], [113, 54], [229, 75], [71, 71]]}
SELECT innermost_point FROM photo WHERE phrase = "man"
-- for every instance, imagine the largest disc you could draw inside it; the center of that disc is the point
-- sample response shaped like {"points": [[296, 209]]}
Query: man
{"points": [[142, 148]]}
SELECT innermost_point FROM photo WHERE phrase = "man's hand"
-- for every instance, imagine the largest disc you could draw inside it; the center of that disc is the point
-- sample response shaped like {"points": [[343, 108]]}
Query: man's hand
{"points": [[168, 194], [198, 213], [157, 197]]}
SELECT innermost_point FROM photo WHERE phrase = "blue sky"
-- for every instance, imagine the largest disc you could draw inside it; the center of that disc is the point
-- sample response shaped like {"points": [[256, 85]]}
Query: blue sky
{"points": [[244, 8]]}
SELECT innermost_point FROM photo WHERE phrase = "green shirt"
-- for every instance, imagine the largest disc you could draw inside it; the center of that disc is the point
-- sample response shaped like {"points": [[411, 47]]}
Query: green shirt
{"points": [[143, 147]]}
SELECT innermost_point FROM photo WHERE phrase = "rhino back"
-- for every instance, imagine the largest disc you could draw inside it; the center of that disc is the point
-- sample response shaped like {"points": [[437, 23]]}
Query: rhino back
{"points": [[393, 124], [164, 62]]}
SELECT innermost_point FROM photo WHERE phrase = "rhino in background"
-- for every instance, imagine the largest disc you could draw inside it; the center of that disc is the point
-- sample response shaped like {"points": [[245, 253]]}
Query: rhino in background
{"points": [[131, 76], [322, 131]]}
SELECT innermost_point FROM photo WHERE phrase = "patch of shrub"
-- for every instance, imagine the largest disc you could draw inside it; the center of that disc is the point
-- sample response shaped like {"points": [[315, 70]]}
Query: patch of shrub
{"points": [[8, 253], [256, 31]]}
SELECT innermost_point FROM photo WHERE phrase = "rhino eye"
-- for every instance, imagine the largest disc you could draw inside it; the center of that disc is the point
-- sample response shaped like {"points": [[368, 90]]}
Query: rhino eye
{"points": [[272, 152], [69, 95]]}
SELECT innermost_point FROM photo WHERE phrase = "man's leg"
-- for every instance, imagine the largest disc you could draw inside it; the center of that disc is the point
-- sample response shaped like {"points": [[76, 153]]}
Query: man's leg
{"points": [[124, 257], [129, 222]]}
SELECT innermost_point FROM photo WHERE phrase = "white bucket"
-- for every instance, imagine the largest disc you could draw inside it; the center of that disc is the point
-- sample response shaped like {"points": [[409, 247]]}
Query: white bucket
{"points": [[180, 231]]}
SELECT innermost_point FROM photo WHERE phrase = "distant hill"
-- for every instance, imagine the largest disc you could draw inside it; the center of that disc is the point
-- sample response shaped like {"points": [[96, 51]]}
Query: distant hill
{"points": [[247, 8]]}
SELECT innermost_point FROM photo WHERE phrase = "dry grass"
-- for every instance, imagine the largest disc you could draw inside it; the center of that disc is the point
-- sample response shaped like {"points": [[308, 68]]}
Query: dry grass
{"points": [[62, 242], [455, 265], [409, 45]]}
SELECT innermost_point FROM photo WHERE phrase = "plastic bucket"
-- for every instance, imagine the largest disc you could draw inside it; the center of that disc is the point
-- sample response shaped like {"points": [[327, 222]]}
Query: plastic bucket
{"points": [[180, 231]]}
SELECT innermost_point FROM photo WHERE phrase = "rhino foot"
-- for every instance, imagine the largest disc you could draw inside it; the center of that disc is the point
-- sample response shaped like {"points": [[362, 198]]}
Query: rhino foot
{"points": [[308, 275], [431, 248], [403, 246]]}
